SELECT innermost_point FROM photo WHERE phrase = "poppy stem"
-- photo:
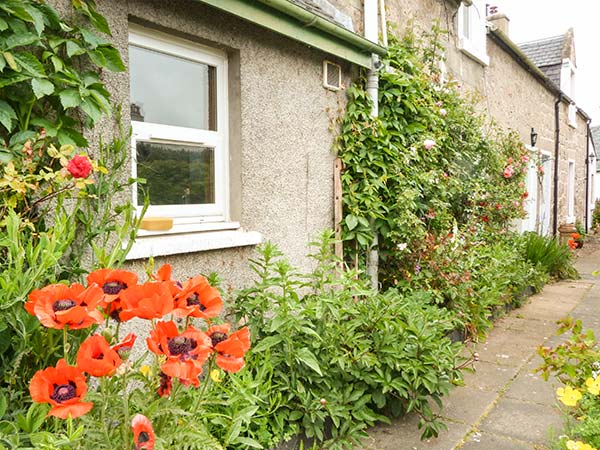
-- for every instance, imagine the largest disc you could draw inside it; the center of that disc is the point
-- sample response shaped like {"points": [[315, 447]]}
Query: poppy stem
{"points": [[125, 422], [207, 380], [65, 344]]}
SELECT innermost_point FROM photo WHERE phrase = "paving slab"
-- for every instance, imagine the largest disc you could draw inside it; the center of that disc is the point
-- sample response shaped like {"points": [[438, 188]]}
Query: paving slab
{"points": [[489, 441], [503, 404], [522, 420]]}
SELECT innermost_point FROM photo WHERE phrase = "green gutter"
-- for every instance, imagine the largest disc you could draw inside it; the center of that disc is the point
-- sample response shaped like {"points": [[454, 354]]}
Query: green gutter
{"points": [[293, 21]]}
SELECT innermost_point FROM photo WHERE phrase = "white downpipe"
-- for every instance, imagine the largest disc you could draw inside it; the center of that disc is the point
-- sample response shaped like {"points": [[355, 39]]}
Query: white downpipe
{"points": [[372, 34]]}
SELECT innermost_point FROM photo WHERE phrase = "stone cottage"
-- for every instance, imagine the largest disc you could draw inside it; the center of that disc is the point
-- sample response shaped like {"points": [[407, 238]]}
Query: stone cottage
{"points": [[252, 135], [251, 132], [529, 88]]}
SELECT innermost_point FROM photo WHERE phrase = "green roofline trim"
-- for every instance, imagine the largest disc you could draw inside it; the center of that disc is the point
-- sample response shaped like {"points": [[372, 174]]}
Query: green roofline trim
{"points": [[295, 22]]}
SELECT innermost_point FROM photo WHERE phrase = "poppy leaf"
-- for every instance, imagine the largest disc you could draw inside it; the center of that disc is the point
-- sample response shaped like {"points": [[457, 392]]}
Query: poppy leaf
{"points": [[308, 358], [267, 343]]}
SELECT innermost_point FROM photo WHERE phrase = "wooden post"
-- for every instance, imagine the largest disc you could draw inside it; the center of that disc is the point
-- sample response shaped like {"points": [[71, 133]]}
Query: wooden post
{"points": [[337, 208]]}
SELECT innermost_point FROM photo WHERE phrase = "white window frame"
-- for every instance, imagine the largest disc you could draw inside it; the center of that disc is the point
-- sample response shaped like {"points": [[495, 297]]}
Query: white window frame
{"points": [[474, 42], [571, 191], [187, 217]]}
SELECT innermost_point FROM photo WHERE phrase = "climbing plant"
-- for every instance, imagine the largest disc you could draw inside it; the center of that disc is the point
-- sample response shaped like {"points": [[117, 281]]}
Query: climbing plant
{"points": [[429, 165]]}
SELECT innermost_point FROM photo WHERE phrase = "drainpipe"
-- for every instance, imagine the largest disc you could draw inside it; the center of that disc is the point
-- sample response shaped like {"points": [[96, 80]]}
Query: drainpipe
{"points": [[587, 176], [371, 33], [556, 148]]}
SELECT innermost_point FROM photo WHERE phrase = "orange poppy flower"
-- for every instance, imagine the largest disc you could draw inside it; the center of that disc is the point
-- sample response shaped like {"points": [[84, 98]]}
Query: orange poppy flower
{"points": [[112, 282], [63, 387], [164, 274], [57, 305], [186, 352], [143, 433], [572, 244], [146, 301], [97, 358], [230, 349], [575, 236], [198, 299], [124, 347]]}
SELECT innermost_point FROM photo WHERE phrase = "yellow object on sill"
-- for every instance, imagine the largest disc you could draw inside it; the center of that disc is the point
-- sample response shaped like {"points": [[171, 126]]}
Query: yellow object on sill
{"points": [[156, 223]]}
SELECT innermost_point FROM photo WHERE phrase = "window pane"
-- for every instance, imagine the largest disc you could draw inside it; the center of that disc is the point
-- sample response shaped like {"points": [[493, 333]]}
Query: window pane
{"points": [[170, 90], [175, 174]]}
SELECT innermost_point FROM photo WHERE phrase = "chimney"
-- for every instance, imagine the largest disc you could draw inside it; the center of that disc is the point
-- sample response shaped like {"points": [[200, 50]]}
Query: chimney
{"points": [[500, 21]]}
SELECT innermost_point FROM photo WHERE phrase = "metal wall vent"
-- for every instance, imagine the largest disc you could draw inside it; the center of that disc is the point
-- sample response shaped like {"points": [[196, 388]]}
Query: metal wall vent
{"points": [[332, 76]]}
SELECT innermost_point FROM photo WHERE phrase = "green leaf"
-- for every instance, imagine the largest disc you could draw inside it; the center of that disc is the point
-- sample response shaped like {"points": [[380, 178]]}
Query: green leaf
{"points": [[3, 24], [112, 58], [3, 405], [91, 109], [247, 442], [30, 64], [11, 61], [2, 62], [351, 221], [74, 49], [308, 358], [13, 78], [41, 87], [92, 39], [70, 98], [7, 115], [267, 343], [19, 40]]}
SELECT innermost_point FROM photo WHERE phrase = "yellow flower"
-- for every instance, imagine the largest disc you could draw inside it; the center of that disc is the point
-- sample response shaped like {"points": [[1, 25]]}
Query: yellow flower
{"points": [[572, 445], [593, 385], [568, 395], [145, 370], [215, 375]]}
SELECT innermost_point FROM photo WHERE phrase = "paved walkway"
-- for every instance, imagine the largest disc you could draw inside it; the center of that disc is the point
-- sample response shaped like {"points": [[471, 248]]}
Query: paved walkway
{"points": [[503, 405]]}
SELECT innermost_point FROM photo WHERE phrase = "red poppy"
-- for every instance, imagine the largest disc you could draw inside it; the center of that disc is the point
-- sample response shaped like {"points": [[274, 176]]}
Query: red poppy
{"points": [[164, 274], [124, 347], [143, 433], [63, 387], [147, 301], [166, 384], [112, 282], [575, 236], [230, 349], [186, 352], [198, 299], [57, 305], [572, 244], [97, 358]]}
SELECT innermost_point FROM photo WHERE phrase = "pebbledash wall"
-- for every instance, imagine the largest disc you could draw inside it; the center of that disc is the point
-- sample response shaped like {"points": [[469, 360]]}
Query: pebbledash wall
{"points": [[510, 94], [281, 168]]}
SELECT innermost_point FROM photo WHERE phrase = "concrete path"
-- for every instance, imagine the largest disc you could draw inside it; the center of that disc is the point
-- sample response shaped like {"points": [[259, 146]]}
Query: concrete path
{"points": [[503, 405]]}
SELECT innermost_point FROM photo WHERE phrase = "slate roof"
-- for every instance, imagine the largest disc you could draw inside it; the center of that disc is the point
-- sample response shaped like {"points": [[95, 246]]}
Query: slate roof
{"points": [[547, 54], [326, 10]]}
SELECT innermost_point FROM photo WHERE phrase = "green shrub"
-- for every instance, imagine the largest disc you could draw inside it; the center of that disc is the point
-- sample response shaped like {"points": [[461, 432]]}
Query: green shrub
{"points": [[553, 257], [340, 355]]}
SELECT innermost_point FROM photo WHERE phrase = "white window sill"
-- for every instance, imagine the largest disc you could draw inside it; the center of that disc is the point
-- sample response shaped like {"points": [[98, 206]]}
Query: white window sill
{"points": [[173, 244], [469, 49]]}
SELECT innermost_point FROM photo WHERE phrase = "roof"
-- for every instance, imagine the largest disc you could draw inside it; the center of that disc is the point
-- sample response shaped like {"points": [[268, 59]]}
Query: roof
{"points": [[545, 52], [518, 55], [326, 10]]}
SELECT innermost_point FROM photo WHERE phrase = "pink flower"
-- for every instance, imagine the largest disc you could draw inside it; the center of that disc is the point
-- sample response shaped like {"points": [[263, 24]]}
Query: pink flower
{"points": [[508, 171], [498, 206], [510, 161], [428, 144], [439, 103], [524, 158], [541, 170], [80, 166], [443, 112]]}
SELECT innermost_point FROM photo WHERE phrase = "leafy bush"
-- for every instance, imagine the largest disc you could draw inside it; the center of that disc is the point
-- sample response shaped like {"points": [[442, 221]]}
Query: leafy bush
{"points": [[576, 363], [339, 355], [548, 253]]}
